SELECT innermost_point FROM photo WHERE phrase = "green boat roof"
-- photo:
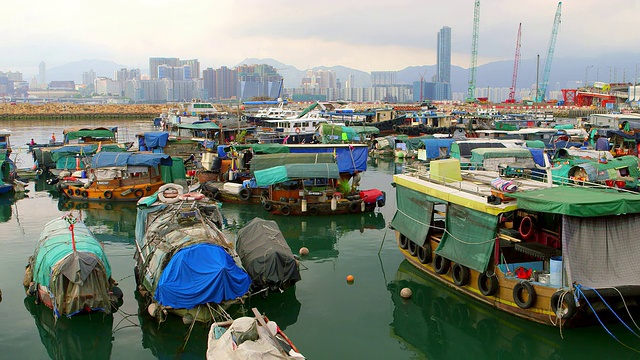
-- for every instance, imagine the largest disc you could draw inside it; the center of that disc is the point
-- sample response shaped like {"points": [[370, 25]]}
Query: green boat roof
{"points": [[278, 174], [578, 201], [209, 125], [502, 152]]}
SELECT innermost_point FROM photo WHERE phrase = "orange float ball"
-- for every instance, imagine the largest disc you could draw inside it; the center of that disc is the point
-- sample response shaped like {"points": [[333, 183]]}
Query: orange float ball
{"points": [[350, 278]]}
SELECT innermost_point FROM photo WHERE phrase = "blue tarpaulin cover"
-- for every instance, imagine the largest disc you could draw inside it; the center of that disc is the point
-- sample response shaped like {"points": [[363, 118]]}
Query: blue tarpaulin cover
{"points": [[156, 139], [107, 159], [348, 158], [200, 274], [432, 146]]}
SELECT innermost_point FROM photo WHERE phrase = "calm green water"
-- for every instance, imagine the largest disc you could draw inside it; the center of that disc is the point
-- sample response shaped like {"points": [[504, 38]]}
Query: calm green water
{"points": [[324, 316]]}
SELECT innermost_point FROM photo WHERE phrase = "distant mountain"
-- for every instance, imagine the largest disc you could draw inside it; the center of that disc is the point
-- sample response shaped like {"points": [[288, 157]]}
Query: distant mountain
{"points": [[73, 71]]}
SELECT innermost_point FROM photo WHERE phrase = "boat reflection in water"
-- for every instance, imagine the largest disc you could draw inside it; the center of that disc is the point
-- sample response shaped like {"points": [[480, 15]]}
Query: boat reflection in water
{"points": [[82, 337], [283, 308], [109, 221], [439, 322]]}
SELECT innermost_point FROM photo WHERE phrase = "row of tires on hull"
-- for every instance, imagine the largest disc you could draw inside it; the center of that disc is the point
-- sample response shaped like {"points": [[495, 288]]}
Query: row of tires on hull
{"points": [[562, 302], [422, 129]]}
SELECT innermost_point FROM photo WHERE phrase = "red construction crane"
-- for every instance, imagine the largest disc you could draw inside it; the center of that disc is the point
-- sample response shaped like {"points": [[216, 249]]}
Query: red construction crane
{"points": [[512, 91]]}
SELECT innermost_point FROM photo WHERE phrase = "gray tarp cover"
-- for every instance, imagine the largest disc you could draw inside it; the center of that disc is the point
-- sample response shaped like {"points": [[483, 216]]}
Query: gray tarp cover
{"points": [[266, 256]]}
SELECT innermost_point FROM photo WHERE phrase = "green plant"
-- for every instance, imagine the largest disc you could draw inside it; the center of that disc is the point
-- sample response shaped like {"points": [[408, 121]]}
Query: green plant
{"points": [[344, 186]]}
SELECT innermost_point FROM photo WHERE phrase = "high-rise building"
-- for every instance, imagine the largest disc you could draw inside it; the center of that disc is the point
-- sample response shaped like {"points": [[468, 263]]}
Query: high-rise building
{"points": [[209, 78], [443, 71], [42, 73], [194, 64], [383, 78], [155, 62], [88, 77], [226, 83]]}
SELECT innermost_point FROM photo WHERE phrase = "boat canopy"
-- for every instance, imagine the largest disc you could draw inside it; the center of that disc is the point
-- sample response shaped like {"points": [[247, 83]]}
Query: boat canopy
{"points": [[579, 201], [156, 139], [433, 147], [121, 159], [258, 148], [206, 125], [219, 278], [97, 133], [350, 158], [266, 256], [266, 161], [278, 174]]}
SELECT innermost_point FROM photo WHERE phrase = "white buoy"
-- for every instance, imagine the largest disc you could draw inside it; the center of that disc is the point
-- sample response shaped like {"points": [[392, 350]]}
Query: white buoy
{"points": [[187, 319], [406, 293], [303, 206], [304, 251], [334, 204], [362, 206]]}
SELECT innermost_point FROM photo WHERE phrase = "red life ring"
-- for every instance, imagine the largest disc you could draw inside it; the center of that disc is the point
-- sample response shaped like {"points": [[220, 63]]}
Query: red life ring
{"points": [[526, 228], [192, 196], [297, 130]]}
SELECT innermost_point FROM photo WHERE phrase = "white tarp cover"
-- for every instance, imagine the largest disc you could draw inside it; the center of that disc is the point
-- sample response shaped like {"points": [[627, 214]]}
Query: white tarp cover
{"points": [[261, 349]]}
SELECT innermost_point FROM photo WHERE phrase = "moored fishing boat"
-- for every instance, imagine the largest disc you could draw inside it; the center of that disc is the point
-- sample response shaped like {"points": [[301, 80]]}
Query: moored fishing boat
{"points": [[250, 338], [313, 189], [266, 256], [185, 264], [535, 250], [69, 271], [117, 176]]}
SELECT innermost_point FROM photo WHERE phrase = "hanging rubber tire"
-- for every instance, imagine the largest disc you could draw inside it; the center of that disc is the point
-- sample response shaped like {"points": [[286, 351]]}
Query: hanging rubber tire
{"points": [[441, 265], [138, 193], [265, 194], [404, 242], [354, 207], [312, 211], [563, 304], [424, 255], [267, 206], [285, 210], [108, 194], [526, 228], [78, 191], [518, 292], [488, 285], [413, 248], [460, 274], [85, 194], [70, 192], [244, 194]]}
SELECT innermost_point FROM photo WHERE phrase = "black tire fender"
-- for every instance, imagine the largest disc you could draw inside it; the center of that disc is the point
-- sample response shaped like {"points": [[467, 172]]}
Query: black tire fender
{"points": [[441, 265], [244, 194], [488, 285], [413, 248], [267, 205], [424, 254], [460, 274], [108, 194], [404, 242], [563, 304], [354, 207], [519, 290], [285, 210]]}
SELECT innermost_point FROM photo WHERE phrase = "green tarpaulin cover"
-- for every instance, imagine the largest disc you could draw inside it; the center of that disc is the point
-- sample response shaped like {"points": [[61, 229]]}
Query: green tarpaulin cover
{"points": [[578, 201], [265, 161], [414, 214], [174, 172], [288, 172], [209, 125], [92, 133], [261, 148], [469, 238]]}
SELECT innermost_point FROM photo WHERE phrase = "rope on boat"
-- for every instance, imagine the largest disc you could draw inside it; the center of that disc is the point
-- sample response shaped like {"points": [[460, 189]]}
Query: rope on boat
{"points": [[580, 293]]}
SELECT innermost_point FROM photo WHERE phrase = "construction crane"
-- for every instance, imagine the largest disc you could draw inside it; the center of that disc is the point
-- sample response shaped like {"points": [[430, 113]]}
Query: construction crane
{"points": [[471, 97], [512, 91], [540, 96]]}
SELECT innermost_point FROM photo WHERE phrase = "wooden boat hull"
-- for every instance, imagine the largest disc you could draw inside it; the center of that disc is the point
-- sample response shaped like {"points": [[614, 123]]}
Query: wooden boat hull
{"points": [[112, 191], [539, 312], [318, 208]]}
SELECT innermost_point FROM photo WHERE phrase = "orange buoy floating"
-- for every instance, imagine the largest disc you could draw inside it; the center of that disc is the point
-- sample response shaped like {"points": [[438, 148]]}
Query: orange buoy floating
{"points": [[304, 251], [350, 278]]}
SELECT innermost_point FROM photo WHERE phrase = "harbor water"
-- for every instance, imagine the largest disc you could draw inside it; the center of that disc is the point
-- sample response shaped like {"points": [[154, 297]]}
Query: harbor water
{"points": [[326, 317]]}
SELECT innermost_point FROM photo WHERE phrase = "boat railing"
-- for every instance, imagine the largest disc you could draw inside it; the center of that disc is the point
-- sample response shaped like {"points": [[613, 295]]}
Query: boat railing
{"points": [[478, 185]]}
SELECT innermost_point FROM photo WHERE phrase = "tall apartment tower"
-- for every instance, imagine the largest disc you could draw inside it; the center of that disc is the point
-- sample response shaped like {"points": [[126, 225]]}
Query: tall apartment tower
{"points": [[443, 71], [42, 73], [155, 62]]}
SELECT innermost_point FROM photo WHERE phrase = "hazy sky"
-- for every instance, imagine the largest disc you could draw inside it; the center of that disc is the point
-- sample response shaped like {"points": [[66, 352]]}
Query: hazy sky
{"points": [[365, 35]]}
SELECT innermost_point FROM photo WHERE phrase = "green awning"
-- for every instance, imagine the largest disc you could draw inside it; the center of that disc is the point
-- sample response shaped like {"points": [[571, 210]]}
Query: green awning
{"points": [[414, 214], [579, 201], [266, 161], [288, 172], [209, 125], [91, 133], [469, 238], [261, 148]]}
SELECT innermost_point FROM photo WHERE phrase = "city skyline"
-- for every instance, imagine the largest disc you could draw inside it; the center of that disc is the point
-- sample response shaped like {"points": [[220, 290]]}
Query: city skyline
{"points": [[224, 33]]}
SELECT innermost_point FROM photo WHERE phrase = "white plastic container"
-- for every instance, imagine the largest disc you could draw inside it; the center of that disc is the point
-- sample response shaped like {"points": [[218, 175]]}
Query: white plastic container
{"points": [[555, 271], [232, 188]]}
